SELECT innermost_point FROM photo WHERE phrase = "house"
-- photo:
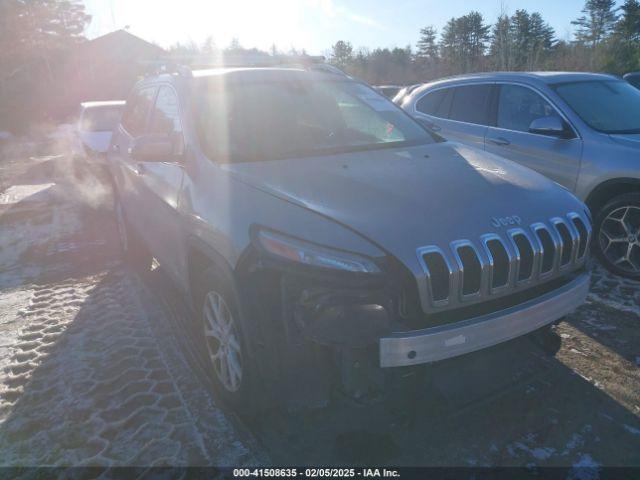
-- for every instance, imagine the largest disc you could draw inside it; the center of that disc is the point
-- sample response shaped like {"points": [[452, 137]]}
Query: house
{"points": [[105, 68]]}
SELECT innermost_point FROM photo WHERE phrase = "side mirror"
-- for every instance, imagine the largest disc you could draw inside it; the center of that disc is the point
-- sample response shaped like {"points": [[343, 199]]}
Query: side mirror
{"points": [[551, 126], [153, 148]]}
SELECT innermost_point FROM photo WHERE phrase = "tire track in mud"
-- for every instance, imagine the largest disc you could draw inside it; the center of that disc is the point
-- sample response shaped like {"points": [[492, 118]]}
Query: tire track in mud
{"points": [[88, 381], [96, 379]]}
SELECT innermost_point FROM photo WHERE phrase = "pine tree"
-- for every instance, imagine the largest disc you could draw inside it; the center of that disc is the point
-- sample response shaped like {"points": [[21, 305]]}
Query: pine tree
{"points": [[341, 53], [597, 22], [427, 44], [464, 42], [501, 48], [38, 29], [628, 27], [624, 48]]}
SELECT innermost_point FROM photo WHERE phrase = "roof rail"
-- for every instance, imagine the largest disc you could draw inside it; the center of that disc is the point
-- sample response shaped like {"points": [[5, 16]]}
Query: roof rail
{"points": [[157, 67]]}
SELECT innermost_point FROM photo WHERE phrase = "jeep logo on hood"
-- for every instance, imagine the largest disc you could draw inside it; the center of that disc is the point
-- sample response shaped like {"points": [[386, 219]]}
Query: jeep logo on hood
{"points": [[505, 221]]}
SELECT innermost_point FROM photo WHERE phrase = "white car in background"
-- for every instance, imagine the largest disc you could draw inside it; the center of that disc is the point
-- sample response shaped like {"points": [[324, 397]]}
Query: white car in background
{"points": [[96, 122]]}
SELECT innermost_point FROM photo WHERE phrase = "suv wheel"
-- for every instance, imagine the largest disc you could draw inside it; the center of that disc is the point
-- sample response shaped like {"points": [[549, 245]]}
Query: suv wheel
{"points": [[617, 235], [222, 341], [230, 366], [135, 253]]}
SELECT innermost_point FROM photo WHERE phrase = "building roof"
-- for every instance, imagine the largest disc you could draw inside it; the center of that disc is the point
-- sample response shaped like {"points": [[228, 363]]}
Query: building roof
{"points": [[120, 37]]}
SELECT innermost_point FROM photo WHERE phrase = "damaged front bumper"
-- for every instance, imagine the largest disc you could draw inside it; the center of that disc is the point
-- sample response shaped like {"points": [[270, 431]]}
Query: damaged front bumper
{"points": [[447, 341]]}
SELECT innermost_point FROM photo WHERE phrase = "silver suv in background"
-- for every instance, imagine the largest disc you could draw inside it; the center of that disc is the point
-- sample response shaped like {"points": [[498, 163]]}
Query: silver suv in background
{"points": [[323, 236], [580, 129]]}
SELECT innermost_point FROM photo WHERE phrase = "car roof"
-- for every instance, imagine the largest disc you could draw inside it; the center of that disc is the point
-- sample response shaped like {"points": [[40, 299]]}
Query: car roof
{"points": [[106, 103], [247, 74], [526, 77]]}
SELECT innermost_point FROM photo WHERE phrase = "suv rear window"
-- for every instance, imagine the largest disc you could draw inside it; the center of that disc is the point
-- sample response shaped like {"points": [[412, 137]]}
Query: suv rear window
{"points": [[298, 117], [100, 119], [471, 104]]}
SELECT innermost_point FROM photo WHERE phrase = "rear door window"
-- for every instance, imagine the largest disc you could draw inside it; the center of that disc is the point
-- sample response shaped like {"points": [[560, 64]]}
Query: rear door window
{"points": [[135, 114], [471, 104], [436, 104]]}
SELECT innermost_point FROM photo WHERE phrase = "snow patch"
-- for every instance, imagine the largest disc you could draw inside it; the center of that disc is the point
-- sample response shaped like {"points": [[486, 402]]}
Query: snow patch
{"points": [[19, 193], [543, 453], [614, 291]]}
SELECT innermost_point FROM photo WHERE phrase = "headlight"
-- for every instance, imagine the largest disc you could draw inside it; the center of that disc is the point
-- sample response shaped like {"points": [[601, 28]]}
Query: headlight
{"points": [[306, 253]]}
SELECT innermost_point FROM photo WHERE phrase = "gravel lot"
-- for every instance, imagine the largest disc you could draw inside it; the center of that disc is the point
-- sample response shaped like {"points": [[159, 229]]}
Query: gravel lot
{"points": [[95, 368]]}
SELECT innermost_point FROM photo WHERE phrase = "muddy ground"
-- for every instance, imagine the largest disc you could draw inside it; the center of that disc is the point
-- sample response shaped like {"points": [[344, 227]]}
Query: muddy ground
{"points": [[96, 367]]}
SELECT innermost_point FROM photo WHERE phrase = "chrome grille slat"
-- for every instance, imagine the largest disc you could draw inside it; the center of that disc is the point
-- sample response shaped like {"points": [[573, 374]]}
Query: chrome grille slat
{"points": [[511, 263], [422, 252], [535, 240], [456, 246], [556, 222], [515, 233], [538, 228], [587, 228]]}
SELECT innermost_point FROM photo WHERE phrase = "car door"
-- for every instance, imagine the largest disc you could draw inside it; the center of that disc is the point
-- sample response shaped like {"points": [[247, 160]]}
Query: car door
{"points": [[160, 183], [125, 172], [459, 113], [557, 157]]}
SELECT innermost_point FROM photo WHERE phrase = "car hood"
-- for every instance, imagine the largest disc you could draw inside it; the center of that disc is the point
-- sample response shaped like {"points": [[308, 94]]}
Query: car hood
{"points": [[629, 139], [404, 198]]}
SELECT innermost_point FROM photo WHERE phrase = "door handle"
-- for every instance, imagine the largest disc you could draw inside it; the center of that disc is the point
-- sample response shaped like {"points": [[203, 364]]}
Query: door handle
{"points": [[500, 141]]}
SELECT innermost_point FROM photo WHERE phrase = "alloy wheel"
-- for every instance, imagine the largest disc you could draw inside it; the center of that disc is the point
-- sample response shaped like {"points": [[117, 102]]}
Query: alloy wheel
{"points": [[223, 341], [619, 238]]}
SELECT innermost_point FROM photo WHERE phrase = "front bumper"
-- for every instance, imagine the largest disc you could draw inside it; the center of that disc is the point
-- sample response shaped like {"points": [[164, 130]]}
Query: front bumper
{"points": [[446, 341]]}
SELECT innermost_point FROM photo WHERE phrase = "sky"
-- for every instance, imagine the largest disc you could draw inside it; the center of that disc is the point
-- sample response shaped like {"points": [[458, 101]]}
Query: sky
{"points": [[313, 25]]}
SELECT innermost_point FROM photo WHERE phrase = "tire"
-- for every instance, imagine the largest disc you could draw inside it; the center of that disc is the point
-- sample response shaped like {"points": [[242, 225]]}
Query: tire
{"points": [[616, 239], [230, 366], [132, 249]]}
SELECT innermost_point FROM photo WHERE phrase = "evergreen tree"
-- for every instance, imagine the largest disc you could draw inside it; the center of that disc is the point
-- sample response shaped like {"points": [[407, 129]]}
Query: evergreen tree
{"points": [[624, 49], [464, 42], [341, 53], [501, 48], [427, 44], [597, 22]]}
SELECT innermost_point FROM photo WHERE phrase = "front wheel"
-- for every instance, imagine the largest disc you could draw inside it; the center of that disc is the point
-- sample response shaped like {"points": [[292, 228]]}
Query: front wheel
{"points": [[617, 235], [231, 367]]}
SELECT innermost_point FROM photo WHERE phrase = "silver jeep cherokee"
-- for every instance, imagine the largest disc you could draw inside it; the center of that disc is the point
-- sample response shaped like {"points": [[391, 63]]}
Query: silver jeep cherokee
{"points": [[324, 236]]}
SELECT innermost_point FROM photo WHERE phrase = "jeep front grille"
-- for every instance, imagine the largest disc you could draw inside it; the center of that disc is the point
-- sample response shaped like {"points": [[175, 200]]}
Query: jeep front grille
{"points": [[469, 271]]}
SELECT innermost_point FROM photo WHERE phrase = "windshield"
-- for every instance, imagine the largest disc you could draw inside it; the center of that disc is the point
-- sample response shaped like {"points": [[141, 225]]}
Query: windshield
{"points": [[299, 117], [609, 106], [100, 119]]}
